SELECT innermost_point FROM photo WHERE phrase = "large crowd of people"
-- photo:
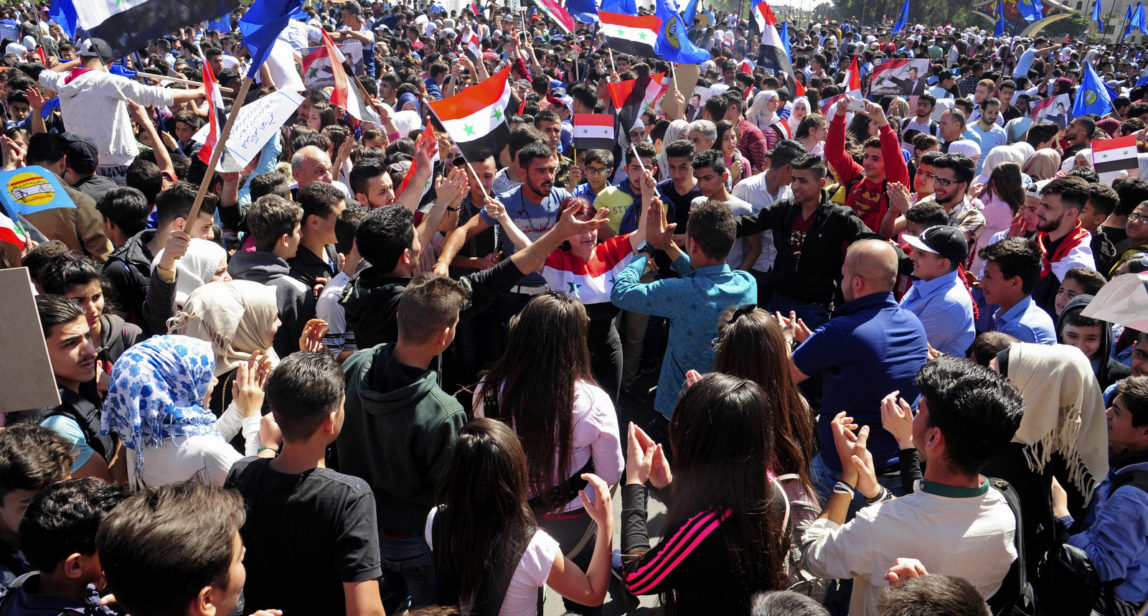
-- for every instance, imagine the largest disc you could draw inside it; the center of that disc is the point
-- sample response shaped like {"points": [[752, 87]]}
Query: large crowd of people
{"points": [[834, 318]]}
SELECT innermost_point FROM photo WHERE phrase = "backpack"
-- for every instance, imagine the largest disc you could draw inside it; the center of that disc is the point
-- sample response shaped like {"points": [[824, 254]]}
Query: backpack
{"points": [[801, 509], [1015, 596], [1066, 576]]}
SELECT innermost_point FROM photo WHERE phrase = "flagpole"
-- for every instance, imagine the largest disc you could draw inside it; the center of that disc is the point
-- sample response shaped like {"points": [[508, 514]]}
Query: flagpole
{"points": [[198, 84], [220, 144], [1111, 11]]}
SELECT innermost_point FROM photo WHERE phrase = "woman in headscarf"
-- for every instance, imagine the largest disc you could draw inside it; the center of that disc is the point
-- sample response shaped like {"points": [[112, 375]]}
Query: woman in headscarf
{"points": [[1043, 164], [156, 405], [173, 279], [678, 129], [1064, 433], [800, 110], [239, 318], [763, 113]]}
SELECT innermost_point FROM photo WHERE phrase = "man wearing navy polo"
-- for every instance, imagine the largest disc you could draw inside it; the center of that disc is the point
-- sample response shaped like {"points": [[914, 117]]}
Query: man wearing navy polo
{"points": [[870, 347]]}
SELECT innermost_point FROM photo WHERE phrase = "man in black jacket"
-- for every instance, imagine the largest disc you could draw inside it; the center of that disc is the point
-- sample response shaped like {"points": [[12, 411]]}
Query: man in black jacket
{"points": [[387, 239], [809, 232]]}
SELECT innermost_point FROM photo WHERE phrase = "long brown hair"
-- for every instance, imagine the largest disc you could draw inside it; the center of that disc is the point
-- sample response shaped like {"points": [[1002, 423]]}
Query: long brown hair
{"points": [[721, 437], [547, 353], [483, 520], [1005, 182], [751, 345]]}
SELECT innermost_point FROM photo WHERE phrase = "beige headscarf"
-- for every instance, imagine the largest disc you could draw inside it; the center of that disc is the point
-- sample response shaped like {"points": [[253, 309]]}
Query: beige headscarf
{"points": [[1063, 411], [235, 316]]}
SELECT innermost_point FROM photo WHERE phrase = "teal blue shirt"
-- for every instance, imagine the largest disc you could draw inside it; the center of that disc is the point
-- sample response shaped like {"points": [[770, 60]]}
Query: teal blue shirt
{"points": [[693, 304]]}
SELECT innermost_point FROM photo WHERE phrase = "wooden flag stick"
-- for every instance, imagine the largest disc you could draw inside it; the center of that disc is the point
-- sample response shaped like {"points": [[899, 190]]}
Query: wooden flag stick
{"points": [[217, 151], [198, 84]]}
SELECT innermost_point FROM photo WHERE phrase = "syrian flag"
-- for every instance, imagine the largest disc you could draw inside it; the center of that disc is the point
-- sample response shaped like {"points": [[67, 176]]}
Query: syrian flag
{"points": [[476, 117], [346, 95], [11, 232], [428, 137], [889, 65], [853, 80], [589, 282], [1115, 154], [636, 36], [128, 25], [560, 16], [774, 56], [764, 16], [593, 131], [634, 96], [214, 108], [1039, 107], [473, 46]]}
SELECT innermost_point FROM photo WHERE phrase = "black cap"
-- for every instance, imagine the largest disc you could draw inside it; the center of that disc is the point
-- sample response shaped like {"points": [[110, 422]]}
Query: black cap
{"points": [[95, 48], [948, 242], [82, 151]]}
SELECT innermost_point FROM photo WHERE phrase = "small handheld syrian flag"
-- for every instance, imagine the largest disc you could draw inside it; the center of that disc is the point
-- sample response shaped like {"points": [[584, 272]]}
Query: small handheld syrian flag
{"points": [[427, 137], [473, 46], [1115, 154], [593, 131], [634, 96], [476, 117], [11, 232], [636, 36], [214, 108], [345, 94], [560, 16]]}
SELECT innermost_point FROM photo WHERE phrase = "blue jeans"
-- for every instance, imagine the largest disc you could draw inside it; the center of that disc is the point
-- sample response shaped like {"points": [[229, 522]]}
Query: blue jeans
{"points": [[824, 478], [408, 573], [814, 315]]}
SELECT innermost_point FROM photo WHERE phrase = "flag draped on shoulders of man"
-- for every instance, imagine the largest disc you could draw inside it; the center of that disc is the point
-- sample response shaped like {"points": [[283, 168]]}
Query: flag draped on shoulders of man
{"points": [[476, 117], [128, 25]]}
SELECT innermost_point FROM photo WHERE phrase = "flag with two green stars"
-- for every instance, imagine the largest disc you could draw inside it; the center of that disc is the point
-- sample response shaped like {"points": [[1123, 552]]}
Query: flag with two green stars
{"points": [[476, 117], [636, 36]]}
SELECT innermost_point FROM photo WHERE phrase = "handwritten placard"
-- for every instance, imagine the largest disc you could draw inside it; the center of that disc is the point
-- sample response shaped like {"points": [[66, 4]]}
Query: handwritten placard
{"points": [[256, 123]]}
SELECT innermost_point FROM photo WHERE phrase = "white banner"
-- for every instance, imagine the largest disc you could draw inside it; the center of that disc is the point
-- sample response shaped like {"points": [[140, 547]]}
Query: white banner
{"points": [[256, 124]]}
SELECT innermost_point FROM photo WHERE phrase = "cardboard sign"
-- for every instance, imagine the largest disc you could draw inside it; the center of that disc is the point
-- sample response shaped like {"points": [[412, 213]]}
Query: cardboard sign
{"points": [[28, 190], [25, 368], [256, 124]]}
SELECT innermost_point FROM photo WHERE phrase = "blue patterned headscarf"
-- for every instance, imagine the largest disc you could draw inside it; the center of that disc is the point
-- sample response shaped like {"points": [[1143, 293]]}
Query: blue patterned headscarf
{"points": [[157, 391]]}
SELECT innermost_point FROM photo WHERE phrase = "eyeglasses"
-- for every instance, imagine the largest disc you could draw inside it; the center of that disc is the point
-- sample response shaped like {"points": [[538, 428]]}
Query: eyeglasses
{"points": [[1137, 218], [596, 170], [940, 180]]}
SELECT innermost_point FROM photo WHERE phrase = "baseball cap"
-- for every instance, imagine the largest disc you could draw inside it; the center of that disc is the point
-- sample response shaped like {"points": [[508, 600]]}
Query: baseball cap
{"points": [[944, 240], [82, 151], [95, 48]]}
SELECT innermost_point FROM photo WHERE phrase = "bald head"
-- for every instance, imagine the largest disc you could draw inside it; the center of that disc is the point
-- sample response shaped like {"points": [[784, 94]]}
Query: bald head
{"points": [[870, 267], [311, 164]]}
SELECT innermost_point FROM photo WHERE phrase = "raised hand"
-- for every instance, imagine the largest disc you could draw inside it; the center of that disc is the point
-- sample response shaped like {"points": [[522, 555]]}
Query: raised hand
{"points": [[599, 507], [312, 338], [897, 419], [247, 388], [899, 196], [904, 569]]}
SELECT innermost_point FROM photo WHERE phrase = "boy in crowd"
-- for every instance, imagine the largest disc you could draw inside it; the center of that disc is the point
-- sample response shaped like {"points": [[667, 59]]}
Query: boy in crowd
{"points": [[1093, 337], [31, 458], [58, 535], [1012, 269], [337, 560], [274, 224], [1077, 281], [125, 212], [176, 550], [1116, 523]]}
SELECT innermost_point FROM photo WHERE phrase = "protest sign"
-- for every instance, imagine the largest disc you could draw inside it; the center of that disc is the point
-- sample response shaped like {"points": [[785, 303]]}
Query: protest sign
{"points": [[254, 127], [26, 371]]}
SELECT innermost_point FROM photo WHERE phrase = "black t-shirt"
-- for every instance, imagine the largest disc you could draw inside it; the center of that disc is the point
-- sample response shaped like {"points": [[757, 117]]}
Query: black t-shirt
{"points": [[306, 535]]}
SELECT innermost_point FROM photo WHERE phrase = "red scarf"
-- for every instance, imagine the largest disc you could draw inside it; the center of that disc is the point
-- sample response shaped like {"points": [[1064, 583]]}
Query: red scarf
{"points": [[1074, 238], [76, 72]]}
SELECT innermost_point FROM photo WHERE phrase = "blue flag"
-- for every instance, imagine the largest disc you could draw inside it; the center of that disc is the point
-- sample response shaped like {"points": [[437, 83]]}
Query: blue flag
{"points": [[1093, 96], [33, 189], [902, 19], [1030, 10], [673, 44], [1143, 80], [1141, 23], [999, 31], [625, 7], [585, 11], [690, 12], [64, 13], [783, 34], [1127, 20], [1096, 16], [261, 25], [221, 25]]}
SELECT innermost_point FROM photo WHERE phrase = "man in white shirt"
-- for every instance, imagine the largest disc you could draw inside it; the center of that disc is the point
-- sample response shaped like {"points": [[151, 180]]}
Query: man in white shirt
{"points": [[966, 416], [711, 174], [761, 190]]}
